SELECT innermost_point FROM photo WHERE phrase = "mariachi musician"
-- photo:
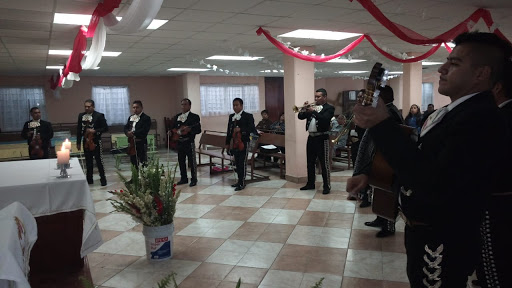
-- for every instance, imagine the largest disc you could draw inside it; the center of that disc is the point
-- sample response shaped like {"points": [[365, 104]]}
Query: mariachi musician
{"points": [[240, 127], [91, 125], [137, 128], [186, 126], [38, 134]]}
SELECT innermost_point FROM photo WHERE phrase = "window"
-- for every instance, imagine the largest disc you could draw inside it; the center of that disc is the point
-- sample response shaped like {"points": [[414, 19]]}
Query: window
{"points": [[218, 99], [15, 104], [427, 95], [113, 101]]}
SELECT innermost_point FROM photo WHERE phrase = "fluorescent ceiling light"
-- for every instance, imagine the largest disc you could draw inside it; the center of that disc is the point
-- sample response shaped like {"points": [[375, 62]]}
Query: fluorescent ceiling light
{"points": [[225, 57], [396, 72], [81, 19], [427, 63], [342, 60], [68, 52], [319, 34], [188, 69], [54, 67], [351, 72]]}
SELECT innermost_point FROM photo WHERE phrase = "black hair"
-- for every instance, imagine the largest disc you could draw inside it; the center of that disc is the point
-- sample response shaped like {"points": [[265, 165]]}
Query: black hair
{"points": [[239, 100], [323, 91], [386, 94], [34, 108], [488, 50], [90, 101], [138, 102], [187, 100], [264, 111]]}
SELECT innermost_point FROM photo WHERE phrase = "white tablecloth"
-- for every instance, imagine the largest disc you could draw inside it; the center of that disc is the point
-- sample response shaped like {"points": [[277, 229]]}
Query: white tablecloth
{"points": [[19, 233], [34, 184]]}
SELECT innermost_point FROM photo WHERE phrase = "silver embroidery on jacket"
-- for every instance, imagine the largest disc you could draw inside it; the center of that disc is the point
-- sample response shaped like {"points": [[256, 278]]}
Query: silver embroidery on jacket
{"points": [[433, 269]]}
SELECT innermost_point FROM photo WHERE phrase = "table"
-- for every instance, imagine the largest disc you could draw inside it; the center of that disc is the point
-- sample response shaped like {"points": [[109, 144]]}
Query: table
{"points": [[19, 233], [62, 207]]}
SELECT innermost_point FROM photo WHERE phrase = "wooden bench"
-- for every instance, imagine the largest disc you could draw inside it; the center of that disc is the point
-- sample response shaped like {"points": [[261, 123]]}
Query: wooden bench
{"points": [[217, 142], [269, 139]]}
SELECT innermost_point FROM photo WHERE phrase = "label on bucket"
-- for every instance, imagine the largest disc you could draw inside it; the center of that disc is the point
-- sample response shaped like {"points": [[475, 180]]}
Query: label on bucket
{"points": [[159, 248]]}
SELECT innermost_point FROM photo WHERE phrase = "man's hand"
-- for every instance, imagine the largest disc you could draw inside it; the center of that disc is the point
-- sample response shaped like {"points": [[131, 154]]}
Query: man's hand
{"points": [[129, 134], [260, 132], [237, 129], [367, 116], [310, 109], [78, 146], [356, 184], [30, 133], [90, 130]]}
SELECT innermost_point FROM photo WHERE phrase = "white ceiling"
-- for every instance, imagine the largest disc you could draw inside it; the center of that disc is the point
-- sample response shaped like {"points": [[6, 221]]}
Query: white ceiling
{"points": [[201, 28]]}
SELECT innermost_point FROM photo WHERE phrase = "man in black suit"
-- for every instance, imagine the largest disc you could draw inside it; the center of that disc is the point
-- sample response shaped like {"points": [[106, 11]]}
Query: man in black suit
{"points": [[318, 125], [494, 270], [187, 125], [240, 123], [41, 130], [364, 162], [138, 126], [446, 188], [91, 123]]}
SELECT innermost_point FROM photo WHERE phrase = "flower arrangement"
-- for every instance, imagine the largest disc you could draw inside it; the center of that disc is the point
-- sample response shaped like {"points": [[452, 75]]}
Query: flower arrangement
{"points": [[150, 197]]}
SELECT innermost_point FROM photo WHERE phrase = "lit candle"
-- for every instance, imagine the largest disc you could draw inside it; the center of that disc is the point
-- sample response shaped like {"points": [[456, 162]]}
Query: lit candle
{"points": [[67, 144], [63, 156]]}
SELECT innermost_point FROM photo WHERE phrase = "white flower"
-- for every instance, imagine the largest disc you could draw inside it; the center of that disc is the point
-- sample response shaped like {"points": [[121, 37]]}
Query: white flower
{"points": [[33, 124], [134, 118]]}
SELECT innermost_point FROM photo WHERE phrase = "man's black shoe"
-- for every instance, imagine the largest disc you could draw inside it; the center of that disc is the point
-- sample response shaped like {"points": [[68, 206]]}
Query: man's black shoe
{"points": [[182, 181], [239, 187], [103, 182], [90, 181], [375, 223], [365, 203], [326, 191], [193, 183], [234, 185], [308, 187], [384, 233]]}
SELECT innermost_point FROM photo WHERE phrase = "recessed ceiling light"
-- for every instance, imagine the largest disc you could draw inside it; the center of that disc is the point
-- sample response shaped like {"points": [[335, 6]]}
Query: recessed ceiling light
{"points": [[427, 63], [225, 57], [272, 71], [396, 72], [54, 67], [319, 34], [188, 69], [68, 52], [352, 72], [341, 60], [81, 19]]}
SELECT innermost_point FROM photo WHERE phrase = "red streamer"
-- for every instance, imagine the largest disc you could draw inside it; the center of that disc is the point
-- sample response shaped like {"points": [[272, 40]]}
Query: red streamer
{"points": [[310, 58], [408, 60], [101, 10]]}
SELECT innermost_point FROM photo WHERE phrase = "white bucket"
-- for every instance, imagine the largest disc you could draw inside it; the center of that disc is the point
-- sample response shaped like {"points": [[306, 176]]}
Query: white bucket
{"points": [[158, 242]]}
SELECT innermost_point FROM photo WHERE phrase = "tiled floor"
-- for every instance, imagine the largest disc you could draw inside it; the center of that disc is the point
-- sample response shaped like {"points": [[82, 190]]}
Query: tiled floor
{"points": [[270, 234]]}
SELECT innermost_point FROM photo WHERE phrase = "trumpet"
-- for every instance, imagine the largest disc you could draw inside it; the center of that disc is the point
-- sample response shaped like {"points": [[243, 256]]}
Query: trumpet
{"points": [[299, 109]]}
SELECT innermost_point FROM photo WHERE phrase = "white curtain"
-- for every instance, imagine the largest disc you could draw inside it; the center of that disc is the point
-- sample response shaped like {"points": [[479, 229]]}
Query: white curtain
{"points": [[218, 99], [427, 96], [113, 101], [15, 104]]}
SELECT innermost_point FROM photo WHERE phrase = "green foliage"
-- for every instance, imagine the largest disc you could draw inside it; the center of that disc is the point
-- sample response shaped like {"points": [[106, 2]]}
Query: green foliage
{"points": [[86, 283], [166, 281], [319, 283], [239, 283], [149, 197]]}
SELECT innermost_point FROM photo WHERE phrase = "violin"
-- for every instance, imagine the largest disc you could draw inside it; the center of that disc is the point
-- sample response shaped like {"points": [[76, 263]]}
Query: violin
{"points": [[36, 146], [238, 144], [181, 131], [131, 146], [89, 141]]}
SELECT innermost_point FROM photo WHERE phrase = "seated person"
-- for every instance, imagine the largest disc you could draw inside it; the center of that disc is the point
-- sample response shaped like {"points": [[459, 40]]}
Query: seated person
{"points": [[265, 123], [337, 125], [278, 127]]}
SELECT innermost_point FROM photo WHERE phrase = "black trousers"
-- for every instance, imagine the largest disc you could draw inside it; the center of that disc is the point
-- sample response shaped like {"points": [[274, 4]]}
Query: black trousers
{"points": [[431, 262], [318, 148], [241, 163], [89, 157], [187, 149], [141, 155]]}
